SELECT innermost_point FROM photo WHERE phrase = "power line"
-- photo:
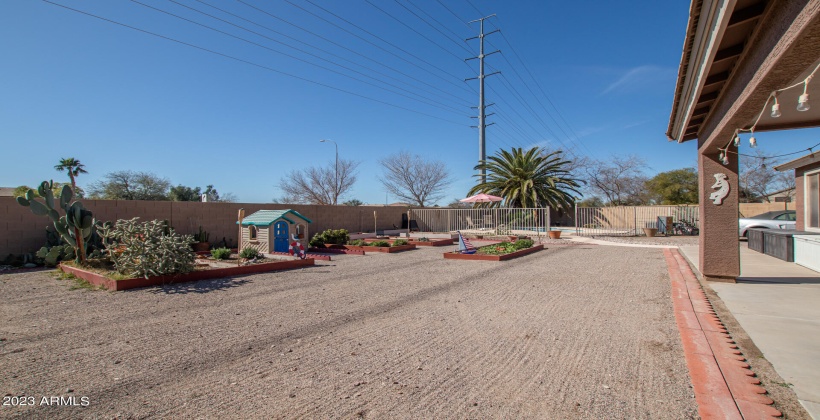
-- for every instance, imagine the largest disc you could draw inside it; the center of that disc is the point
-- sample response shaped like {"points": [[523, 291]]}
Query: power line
{"points": [[436, 92], [167, 38], [445, 27], [376, 45], [462, 46], [445, 107]]}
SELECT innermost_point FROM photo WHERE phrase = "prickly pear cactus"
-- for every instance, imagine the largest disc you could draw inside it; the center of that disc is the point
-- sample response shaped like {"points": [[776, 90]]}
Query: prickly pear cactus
{"points": [[147, 249], [75, 227]]}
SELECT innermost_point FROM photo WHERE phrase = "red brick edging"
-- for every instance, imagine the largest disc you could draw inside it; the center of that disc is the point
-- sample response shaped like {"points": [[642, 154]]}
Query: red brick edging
{"points": [[724, 385], [214, 273]]}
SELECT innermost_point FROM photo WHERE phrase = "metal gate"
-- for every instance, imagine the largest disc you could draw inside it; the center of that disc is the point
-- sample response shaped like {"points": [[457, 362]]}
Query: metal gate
{"points": [[496, 221], [629, 220]]}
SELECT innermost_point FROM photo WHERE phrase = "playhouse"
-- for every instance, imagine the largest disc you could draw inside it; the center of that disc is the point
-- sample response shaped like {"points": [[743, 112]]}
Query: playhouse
{"points": [[274, 230]]}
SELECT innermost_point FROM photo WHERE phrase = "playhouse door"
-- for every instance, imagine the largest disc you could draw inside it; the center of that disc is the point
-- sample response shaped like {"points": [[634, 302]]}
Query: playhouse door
{"points": [[280, 237]]}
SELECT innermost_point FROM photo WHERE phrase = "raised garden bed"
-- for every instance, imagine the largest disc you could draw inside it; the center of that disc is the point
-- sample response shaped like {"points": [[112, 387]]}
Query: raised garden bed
{"points": [[486, 257], [317, 257], [391, 249], [412, 241], [326, 249], [211, 273]]}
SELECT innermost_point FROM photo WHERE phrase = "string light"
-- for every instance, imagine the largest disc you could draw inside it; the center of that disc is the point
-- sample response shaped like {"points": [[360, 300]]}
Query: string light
{"points": [[802, 106], [776, 107]]}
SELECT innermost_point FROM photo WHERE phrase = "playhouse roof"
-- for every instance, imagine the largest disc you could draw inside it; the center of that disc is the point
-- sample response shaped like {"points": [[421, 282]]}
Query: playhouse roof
{"points": [[267, 217]]}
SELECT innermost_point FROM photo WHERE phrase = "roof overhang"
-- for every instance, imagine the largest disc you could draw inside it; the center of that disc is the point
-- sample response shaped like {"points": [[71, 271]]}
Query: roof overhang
{"points": [[799, 162], [736, 55]]}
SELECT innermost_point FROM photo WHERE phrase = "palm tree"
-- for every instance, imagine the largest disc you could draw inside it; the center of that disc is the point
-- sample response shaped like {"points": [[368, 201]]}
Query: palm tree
{"points": [[74, 168], [529, 179]]}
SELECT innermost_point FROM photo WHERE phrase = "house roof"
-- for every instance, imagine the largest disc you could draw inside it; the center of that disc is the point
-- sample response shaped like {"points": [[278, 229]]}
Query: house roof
{"points": [[717, 35], [6, 192], [799, 162], [268, 217]]}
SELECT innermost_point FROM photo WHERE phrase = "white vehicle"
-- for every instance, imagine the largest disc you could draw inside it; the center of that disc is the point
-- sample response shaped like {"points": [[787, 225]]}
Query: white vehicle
{"points": [[783, 219]]}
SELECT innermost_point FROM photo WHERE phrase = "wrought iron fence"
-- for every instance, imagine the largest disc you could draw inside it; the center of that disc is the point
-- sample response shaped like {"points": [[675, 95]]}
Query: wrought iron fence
{"points": [[630, 220], [495, 221]]}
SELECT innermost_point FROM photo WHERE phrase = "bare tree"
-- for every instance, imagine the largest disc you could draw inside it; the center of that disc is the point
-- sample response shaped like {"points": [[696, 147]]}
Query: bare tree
{"points": [[414, 179], [319, 185], [619, 180], [759, 180]]}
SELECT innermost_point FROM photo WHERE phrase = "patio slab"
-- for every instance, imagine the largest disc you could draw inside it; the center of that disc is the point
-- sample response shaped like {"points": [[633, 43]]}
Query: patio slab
{"points": [[776, 303]]}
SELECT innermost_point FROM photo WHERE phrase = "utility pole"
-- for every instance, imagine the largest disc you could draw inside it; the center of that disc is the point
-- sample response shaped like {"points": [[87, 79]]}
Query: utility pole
{"points": [[482, 115]]}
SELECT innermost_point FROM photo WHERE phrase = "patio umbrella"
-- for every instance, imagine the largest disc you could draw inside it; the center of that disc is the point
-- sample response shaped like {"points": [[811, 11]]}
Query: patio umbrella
{"points": [[481, 198]]}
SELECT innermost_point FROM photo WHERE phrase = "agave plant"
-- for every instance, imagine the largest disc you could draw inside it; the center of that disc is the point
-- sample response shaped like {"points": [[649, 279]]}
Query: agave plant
{"points": [[529, 178]]}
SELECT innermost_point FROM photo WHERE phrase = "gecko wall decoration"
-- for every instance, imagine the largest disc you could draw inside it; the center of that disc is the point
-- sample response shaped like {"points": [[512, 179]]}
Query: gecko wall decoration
{"points": [[722, 184]]}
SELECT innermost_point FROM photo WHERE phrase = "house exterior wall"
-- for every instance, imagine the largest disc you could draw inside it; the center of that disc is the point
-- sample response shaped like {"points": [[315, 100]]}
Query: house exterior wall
{"points": [[262, 242], [23, 232], [800, 192]]}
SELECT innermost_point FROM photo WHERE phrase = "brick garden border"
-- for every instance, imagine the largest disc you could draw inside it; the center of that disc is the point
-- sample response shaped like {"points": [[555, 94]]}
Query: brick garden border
{"points": [[214, 273], [363, 249], [483, 257]]}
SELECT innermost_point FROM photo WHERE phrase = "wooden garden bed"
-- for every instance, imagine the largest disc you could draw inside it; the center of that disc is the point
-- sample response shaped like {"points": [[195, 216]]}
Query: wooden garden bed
{"points": [[212, 273], [411, 241], [485, 257]]}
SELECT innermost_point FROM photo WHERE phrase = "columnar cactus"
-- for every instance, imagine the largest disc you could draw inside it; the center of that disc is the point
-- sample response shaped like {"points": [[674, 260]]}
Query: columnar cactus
{"points": [[76, 227]]}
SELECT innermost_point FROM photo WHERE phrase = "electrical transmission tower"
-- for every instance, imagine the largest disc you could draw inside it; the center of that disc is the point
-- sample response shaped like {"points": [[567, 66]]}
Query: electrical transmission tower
{"points": [[482, 115]]}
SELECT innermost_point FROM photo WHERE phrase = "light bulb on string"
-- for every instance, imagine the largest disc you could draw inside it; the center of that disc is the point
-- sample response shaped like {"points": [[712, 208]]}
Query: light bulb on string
{"points": [[737, 140], [803, 103], [775, 108], [803, 100], [720, 157], [726, 159], [753, 141]]}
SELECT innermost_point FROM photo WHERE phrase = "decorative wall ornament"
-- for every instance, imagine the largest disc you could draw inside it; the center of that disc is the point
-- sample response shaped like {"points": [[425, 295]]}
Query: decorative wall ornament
{"points": [[722, 184]]}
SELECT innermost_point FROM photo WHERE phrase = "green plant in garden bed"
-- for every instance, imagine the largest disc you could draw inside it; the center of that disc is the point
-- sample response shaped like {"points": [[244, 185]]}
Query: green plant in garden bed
{"points": [[147, 249], [423, 239], [505, 247], [399, 242], [221, 253], [357, 242], [331, 237], [380, 243], [249, 253]]}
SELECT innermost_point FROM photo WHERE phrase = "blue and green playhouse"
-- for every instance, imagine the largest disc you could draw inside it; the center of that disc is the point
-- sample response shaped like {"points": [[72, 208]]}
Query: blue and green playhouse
{"points": [[274, 230]]}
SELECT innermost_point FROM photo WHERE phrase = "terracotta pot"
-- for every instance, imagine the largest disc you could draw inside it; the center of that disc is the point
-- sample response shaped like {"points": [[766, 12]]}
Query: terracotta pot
{"points": [[201, 246], [650, 232], [555, 234]]}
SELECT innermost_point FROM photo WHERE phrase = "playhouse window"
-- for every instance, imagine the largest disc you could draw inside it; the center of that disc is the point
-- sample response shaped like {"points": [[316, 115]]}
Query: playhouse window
{"points": [[252, 233]]}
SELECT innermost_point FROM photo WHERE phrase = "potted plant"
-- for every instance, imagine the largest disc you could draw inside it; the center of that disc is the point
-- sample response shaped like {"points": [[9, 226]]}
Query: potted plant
{"points": [[554, 234], [201, 239]]}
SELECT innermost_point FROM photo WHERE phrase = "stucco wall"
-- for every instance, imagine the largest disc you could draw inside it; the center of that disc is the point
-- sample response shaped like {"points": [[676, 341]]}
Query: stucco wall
{"points": [[22, 232]]}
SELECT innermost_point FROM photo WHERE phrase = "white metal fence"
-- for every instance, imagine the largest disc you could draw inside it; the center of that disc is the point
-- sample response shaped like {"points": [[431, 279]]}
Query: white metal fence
{"points": [[496, 221], [630, 220]]}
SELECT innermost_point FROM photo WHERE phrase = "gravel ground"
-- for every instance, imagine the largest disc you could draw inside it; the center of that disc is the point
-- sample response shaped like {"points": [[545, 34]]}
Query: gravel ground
{"points": [[657, 240], [570, 332]]}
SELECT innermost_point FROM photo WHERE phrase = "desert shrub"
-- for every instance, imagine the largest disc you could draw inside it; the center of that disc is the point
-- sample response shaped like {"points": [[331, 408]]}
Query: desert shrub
{"points": [[400, 242], [380, 243], [424, 239], [147, 248], [249, 253], [221, 253], [330, 236], [52, 255], [357, 242], [523, 243]]}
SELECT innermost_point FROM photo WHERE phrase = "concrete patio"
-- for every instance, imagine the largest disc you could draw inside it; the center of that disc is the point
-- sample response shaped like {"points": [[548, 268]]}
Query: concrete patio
{"points": [[776, 302]]}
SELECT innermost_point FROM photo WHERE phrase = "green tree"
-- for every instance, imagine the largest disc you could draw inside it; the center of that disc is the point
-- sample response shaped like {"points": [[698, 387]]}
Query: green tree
{"points": [[130, 185], [529, 179], [183, 193], [74, 169], [679, 186], [354, 202]]}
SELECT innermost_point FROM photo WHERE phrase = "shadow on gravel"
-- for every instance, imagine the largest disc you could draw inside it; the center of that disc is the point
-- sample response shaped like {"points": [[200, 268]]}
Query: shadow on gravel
{"points": [[202, 286]]}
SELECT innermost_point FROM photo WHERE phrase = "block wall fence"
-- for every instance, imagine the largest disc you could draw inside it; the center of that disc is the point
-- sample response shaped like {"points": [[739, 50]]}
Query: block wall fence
{"points": [[22, 232]]}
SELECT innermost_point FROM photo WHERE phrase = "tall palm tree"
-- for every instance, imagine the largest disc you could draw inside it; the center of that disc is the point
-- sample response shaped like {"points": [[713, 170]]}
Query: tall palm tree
{"points": [[74, 168], [529, 179]]}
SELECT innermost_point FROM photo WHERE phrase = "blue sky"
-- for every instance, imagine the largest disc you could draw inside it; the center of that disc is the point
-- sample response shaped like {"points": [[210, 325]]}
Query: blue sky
{"points": [[117, 98]]}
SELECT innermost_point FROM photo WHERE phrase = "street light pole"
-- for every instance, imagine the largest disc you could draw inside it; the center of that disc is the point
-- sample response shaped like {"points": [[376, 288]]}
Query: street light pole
{"points": [[336, 180]]}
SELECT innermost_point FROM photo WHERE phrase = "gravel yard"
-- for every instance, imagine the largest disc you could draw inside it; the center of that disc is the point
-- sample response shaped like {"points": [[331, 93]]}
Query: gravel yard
{"points": [[657, 240], [569, 332]]}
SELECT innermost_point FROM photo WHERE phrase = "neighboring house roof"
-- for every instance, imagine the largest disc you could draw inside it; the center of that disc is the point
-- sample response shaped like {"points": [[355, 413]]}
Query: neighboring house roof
{"points": [[6, 192], [799, 162], [788, 192], [268, 217]]}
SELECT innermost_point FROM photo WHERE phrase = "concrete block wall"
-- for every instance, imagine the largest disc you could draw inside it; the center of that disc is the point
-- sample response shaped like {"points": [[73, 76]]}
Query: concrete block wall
{"points": [[23, 232]]}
